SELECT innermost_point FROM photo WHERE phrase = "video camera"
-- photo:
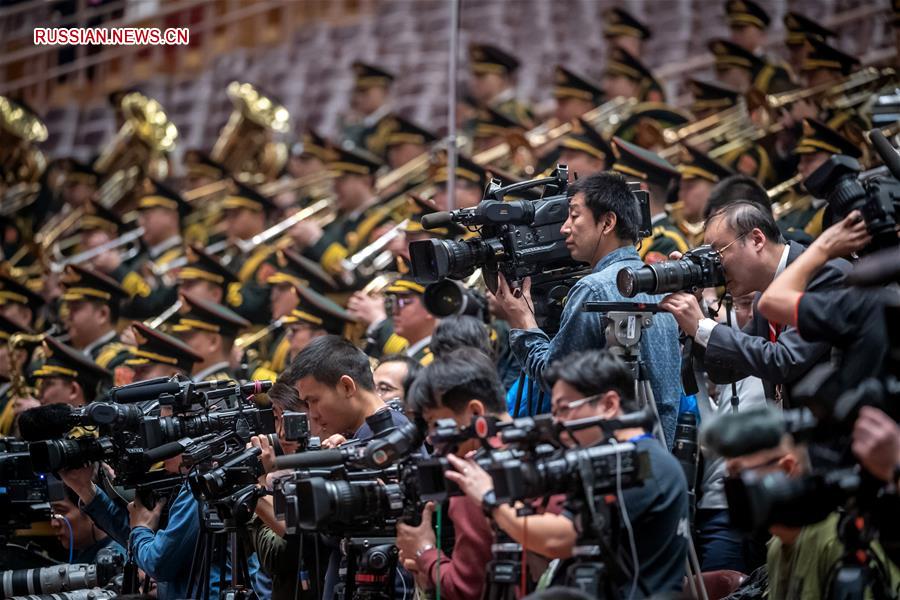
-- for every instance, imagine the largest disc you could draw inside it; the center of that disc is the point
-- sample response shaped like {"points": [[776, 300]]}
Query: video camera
{"points": [[24, 494]]}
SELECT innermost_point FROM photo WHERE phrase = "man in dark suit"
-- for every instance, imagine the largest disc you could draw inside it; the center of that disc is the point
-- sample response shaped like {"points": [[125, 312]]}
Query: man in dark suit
{"points": [[753, 253]]}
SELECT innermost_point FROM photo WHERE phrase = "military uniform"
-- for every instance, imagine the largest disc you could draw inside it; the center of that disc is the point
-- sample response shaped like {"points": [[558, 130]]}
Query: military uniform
{"points": [[710, 97], [698, 165], [622, 63], [64, 361], [213, 318], [766, 77], [81, 284], [747, 13], [420, 350], [810, 216], [584, 138], [8, 328], [618, 22], [156, 347], [637, 163], [367, 76], [646, 123], [395, 129], [485, 58], [16, 291]]}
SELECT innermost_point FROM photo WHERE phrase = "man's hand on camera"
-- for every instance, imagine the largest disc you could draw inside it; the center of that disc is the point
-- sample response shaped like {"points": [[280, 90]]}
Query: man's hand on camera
{"points": [[333, 441], [141, 516], [267, 453], [517, 305], [81, 480], [412, 541], [686, 310], [844, 237], [876, 442], [470, 477]]}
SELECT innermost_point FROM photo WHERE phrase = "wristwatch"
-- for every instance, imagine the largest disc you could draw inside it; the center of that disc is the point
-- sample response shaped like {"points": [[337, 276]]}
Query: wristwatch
{"points": [[423, 550], [489, 503]]}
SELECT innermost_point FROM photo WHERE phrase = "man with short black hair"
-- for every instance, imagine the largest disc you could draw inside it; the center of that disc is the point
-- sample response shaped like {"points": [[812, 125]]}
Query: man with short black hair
{"points": [[601, 230], [734, 188], [752, 253], [460, 386], [598, 384]]}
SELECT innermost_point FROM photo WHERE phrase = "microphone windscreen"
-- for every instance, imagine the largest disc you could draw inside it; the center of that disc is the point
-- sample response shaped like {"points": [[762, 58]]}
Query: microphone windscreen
{"points": [[48, 422], [438, 219], [738, 434]]}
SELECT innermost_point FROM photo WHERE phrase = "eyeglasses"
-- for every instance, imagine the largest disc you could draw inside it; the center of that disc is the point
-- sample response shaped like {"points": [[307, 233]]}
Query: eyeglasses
{"points": [[565, 408], [397, 302], [722, 250]]}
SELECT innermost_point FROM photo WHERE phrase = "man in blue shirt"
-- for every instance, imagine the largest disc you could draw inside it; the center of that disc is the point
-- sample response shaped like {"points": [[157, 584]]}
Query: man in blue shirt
{"points": [[602, 230]]}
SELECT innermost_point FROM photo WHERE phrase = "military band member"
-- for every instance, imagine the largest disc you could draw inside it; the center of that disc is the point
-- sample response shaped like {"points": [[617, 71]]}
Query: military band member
{"points": [[585, 151], [471, 180], [826, 64], [699, 173], [622, 30], [492, 128], [68, 376], [397, 140], [818, 144], [626, 76], [645, 125], [90, 311], [80, 184], [204, 276], [744, 71], [747, 23], [410, 318], [575, 94], [159, 355], [12, 363], [638, 164], [492, 83], [799, 29], [709, 98], [200, 169], [314, 316], [369, 103], [160, 212], [354, 201], [18, 302], [210, 330]]}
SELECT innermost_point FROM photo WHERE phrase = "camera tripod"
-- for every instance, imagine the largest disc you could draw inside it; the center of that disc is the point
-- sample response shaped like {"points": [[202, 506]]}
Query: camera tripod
{"points": [[850, 577], [368, 570], [625, 327], [223, 523], [504, 572]]}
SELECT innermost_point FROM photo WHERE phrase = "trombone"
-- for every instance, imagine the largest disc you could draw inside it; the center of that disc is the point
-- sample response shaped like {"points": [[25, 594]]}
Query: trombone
{"points": [[126, 238], [372, 258], [835, 93]]}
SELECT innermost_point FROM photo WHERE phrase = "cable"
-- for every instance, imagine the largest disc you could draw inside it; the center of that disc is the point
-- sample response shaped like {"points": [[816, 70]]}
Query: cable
{"points": [[402, 580], [71, 535], [437, 539], [626, 521]]}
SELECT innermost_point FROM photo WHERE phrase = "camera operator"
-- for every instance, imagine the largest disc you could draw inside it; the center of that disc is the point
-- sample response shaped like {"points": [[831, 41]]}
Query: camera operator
{"points": [[597, 384], [851, 319], [458, 386], [602, 229], [752, 253], [800, 560]]}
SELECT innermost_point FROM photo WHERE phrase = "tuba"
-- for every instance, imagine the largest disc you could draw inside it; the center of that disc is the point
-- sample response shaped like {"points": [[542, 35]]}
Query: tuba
{"points": [[19, 387], [245, 145]]}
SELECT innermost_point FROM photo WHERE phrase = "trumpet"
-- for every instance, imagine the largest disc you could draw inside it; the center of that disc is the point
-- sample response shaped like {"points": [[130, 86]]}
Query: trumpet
{"points": [[320, 210]]}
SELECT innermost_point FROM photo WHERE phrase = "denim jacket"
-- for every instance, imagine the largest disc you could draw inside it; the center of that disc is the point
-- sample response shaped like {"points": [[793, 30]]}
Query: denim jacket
{"points": [[580, 330]]}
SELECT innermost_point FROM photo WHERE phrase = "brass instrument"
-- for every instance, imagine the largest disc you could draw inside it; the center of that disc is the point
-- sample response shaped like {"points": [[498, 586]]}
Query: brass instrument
{"points": [[835, 94], [20, 129], [604, 118], [145, 137], [321, 210], [18, 384], [723, 126], [162, 317], [132, 237], [372, 258], [775, 191], [249, 340], [245, 146]]}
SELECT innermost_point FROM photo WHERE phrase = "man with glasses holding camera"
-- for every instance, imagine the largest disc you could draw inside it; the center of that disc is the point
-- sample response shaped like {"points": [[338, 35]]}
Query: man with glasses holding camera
{"points": [[752, 253], [602, 230]]}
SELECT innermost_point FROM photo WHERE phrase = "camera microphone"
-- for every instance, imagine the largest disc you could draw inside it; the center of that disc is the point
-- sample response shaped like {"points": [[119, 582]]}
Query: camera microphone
{"points": [[45, 422], [145, 390], [738, 434], [887, 152], [320, 459], [437, 219]]}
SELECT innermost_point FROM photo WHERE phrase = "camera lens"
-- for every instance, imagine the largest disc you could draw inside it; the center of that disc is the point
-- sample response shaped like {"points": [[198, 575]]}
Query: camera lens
{"points": [[444, 298], [52, 455], [631, 281]]}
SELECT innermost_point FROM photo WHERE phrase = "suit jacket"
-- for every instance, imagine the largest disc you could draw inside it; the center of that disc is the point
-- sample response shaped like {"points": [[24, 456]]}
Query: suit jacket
{"points": [[734, 354]]}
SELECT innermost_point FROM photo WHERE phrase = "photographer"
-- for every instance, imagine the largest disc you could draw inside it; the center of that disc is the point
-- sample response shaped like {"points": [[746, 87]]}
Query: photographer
{"points": [[458, 386], [752, 253], [602, 229], [597, 384]]}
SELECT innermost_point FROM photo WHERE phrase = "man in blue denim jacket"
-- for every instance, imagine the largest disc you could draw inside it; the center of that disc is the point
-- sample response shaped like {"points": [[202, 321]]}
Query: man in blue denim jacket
{"points": [[602, 230]]}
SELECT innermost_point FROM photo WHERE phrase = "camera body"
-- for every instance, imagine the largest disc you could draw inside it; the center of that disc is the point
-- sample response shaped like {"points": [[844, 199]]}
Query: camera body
{"points": [[877, 199], [26, 494], [700, 268]]}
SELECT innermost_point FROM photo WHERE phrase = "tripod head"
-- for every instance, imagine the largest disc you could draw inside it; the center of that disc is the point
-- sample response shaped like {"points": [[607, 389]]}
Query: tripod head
{"points": [[625, 325]]}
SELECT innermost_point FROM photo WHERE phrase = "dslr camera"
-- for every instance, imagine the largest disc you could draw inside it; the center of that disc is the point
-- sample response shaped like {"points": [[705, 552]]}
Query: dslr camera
{"points": [[878, 198], [700, 268]]}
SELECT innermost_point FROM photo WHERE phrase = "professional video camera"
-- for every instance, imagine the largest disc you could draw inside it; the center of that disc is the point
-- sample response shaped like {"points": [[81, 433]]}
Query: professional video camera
{"points": [[700, 268], [132, 441], [878, 198], [25, 494]]}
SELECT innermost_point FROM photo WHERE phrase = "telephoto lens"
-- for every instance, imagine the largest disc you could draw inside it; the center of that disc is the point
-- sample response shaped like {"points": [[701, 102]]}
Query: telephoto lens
{"points": [[700, 268], [325, 502], [52, 455], [48, 580]]}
